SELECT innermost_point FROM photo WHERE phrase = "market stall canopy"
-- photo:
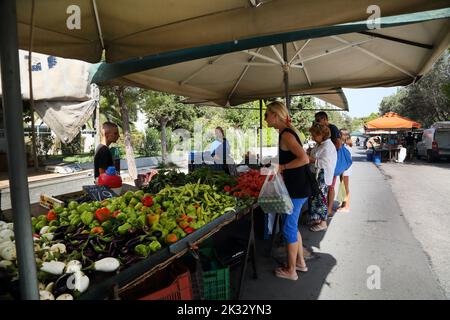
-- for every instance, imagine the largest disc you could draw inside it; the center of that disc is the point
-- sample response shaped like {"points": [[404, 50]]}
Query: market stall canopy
{"points": [[390, 56], [393, 121], [336, 98], [64, 97], [81, 29]]}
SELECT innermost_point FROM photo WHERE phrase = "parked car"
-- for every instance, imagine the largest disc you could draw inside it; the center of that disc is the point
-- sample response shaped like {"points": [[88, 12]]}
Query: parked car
{"points": [[435, 142]]}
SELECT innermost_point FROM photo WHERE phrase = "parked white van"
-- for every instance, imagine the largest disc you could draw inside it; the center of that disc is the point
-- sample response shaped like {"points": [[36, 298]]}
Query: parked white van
{"points": [[435, 142]]}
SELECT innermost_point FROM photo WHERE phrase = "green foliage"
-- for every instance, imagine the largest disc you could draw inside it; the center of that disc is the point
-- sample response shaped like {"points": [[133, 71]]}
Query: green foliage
{"points": [[75, 147], [426, 101], [44, 143], [109, 104]]}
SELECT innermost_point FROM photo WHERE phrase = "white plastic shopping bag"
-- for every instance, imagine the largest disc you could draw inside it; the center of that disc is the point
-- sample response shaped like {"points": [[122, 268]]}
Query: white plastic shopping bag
{"points": [[274, 197]]}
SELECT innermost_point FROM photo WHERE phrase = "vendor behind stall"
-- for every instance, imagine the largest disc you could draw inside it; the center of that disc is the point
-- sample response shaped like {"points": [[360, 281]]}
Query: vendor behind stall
{"points": [[220, 150], [103, 157]]}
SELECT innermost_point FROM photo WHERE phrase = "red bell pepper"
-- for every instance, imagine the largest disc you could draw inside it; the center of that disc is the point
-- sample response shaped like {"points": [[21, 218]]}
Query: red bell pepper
{"points": [[147, 201], [102, 214], [116, 213], [189, 230], [51, 215]]}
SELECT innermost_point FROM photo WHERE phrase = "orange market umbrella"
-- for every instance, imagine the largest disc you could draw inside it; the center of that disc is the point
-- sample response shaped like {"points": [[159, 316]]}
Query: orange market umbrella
{"points": [[392, 120]]}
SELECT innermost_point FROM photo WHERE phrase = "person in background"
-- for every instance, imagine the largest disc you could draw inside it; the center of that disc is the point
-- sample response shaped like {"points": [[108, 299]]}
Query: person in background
{"points": [[221, 148], [103, 157], [293, 163], [324, 158], [347, 143], [409, 141], [322, 118]]}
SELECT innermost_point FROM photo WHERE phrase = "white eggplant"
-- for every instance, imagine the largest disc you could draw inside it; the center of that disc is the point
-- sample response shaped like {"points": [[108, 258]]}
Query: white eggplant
{"points": [[49, 287], [41, 286], [10, 226], [107, 265], [80, 281], [45, 295], [73, 266], [3, 225], [47, 236], [53, 267], [4, 264], [44, 230], [6, 244], [9, 253], [6, 235], [58, 248], [65, 296]]}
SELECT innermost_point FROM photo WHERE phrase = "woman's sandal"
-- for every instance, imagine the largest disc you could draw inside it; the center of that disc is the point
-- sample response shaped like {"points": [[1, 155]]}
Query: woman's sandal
{"points": [[282, 273], [317, 228], [301, 269]]}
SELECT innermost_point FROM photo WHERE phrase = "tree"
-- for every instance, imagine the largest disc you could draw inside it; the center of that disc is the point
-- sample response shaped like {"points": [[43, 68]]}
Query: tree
{"points": [[427, 100], [119, 105], [166, 110]]}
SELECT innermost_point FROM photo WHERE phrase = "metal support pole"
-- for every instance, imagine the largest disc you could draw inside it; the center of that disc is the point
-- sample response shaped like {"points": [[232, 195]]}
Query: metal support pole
{"points": [[286, 77], [18, 184], [260, 131]]}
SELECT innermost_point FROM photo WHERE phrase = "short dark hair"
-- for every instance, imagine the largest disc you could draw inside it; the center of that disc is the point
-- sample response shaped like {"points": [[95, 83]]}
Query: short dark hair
{"points": [[321, 115], [221, 131], [109, 125]]}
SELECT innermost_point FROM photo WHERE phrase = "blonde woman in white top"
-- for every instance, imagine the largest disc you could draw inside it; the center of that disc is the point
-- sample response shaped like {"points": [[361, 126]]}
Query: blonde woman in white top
{"points": [[324, 159]]}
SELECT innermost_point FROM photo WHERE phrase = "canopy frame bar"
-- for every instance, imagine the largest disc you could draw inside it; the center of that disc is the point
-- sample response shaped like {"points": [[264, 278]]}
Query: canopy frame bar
{"points": [[328, 52], [298, 51], [308, 78], [399, 40], [280, 58], [97, 21], [261, 56], [243, 73], [196, 73], [373, 55]]}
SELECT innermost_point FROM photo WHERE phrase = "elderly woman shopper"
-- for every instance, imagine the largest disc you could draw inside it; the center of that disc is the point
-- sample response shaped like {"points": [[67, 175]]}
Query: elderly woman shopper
{"points": [[323, 158], [293, 163]]}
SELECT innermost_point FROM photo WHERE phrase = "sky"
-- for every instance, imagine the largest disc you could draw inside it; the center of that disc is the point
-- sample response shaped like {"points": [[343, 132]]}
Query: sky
{"points": [[362, 102]]}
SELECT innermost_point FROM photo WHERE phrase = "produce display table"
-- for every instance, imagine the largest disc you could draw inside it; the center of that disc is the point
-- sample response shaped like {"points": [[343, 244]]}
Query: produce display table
{"points": [[114, 286], [142, 232]]}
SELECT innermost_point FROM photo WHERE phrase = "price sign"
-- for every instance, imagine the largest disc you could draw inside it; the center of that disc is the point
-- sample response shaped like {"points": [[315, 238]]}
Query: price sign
{"points": [[99, 193]]}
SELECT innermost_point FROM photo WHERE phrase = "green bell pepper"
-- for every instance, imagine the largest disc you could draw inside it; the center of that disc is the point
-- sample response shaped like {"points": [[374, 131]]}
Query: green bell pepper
{"points": [[154, 246], [124, 228], [141, 249], [87, 217]]}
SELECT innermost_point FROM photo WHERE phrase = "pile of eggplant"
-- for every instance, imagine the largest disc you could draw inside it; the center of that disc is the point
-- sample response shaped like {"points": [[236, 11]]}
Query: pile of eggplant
{"points": [[63, 272]]}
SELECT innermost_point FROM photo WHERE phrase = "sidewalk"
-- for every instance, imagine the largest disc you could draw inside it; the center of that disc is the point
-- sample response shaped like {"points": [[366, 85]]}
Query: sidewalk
{"points": [[373, 235]]}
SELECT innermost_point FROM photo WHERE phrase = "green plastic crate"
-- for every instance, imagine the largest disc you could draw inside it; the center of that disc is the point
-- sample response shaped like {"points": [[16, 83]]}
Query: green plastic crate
{"points": [[216, 282]]}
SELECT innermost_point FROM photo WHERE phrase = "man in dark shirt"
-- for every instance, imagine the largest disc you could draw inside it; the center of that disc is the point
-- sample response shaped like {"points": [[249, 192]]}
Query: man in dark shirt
{"points": [[322, 118], [103, 157]]}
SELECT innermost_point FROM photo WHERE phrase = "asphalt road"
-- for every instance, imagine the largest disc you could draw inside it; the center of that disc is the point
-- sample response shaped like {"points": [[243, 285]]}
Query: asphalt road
{"points": [[369, 253], [423, 192]]}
